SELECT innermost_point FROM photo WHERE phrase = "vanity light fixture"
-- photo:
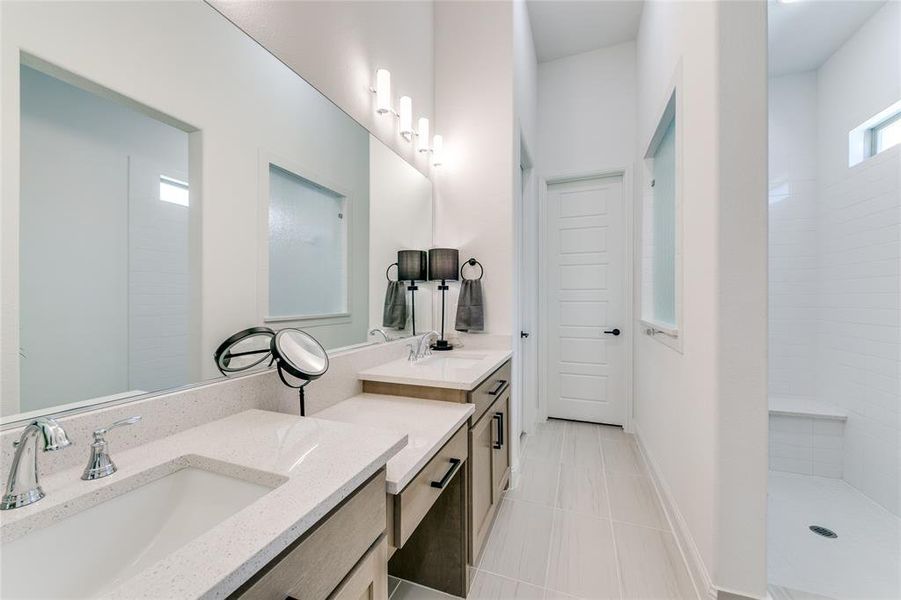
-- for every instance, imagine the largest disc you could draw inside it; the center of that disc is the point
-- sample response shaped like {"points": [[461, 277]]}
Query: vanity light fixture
{"points": [[423, 133], [383, 91], [437, 150], [406, 117]]}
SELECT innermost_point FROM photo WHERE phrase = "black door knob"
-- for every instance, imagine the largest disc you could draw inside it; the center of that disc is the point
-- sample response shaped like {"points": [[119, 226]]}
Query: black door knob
{"points": [[523, 334], [613, 332]]}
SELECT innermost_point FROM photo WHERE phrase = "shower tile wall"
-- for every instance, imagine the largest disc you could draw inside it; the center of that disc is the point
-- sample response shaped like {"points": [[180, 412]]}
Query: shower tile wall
{"points": [[860, 265], [835, 251], [792, 237]]}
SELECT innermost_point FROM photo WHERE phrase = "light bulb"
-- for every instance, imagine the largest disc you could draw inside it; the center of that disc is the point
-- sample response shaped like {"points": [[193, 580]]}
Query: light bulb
{"points": [[406, 116], [383, 91], [423, 145]]}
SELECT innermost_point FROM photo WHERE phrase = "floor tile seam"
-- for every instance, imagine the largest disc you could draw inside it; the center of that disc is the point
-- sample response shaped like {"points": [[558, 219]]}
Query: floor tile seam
{"points": [[619, 575]]}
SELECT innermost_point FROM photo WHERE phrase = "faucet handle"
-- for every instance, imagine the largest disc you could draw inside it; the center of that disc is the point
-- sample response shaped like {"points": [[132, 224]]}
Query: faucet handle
{"points": [[99, 433], [100, 464]]}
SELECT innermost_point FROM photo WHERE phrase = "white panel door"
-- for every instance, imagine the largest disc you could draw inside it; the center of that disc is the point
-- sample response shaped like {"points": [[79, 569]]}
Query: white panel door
{"points": [[585, 241]]}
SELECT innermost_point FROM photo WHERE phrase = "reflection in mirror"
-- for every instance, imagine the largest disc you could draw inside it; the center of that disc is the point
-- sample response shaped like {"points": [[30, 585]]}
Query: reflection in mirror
{"points": [[401, 214], [104, 248], [308, 259], [115, 282], [244, 350]]}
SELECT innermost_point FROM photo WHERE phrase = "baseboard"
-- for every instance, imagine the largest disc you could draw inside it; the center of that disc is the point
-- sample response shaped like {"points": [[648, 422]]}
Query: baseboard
{"points": [[696, 568]]}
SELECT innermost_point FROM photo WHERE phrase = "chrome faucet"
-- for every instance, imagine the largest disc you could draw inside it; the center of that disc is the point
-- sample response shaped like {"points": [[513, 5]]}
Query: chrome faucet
{"points": [[100, 464], [23, 487], [423, 352], [379, 330]]}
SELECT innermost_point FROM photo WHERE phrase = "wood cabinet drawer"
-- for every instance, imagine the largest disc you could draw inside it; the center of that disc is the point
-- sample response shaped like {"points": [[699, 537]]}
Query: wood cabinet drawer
{"points": [[369, 579], [313, 566], [490, 390], [415, 500]]}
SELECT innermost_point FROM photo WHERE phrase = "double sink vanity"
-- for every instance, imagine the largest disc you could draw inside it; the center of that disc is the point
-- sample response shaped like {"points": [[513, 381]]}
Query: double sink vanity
{"points": [[403, 478], [225, 195]]}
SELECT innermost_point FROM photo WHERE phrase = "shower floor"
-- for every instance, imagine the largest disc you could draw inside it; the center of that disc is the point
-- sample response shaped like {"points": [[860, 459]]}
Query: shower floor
{"points": [[864, 562]]}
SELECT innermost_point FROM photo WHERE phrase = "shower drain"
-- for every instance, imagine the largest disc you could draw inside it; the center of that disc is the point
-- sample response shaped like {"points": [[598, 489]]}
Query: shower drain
{"points": [[823, 531]]}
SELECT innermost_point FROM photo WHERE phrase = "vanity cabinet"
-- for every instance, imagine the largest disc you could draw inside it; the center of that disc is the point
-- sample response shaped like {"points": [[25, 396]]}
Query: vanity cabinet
{"points": [[490, 470], [343, 556], [488, 473], [369, 579], [482, 482]]}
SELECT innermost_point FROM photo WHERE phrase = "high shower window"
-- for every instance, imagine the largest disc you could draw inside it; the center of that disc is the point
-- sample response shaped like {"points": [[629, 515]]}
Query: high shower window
{"points": [[886, 134]]}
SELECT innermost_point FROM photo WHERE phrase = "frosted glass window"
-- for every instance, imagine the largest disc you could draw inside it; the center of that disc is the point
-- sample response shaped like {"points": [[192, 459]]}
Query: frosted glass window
{"points": [[662, 226], [307, 248]]}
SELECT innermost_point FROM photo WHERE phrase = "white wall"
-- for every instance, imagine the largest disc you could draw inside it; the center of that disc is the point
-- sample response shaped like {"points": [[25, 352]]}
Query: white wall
{"points": [[742, 415], [401, 200], [859, 224], [675, 393], [525, 77], [474, 189], [337, 47], [586, 111], [792, 235], [701, 411]]}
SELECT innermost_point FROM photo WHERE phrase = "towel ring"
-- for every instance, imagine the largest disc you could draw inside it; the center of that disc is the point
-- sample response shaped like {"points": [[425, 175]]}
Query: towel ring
{"points": [[472, 262], [388, 270]]}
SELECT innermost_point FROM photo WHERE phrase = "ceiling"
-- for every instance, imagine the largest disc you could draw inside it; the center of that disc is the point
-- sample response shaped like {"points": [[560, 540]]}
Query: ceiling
{"points": [[804, 33], [566, 27]]}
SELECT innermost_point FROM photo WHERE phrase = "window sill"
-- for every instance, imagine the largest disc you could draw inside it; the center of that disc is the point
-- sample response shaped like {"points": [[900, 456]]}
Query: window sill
{"points": [[310, 320]]}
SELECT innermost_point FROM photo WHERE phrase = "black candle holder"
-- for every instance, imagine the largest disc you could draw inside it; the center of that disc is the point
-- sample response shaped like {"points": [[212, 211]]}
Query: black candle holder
{"points": [[412, 266], [444, 264]]}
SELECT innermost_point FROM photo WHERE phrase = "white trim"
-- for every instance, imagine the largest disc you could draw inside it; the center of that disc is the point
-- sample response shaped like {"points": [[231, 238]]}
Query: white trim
{"points": [[697, 570], [266, 159], [542, 301], [629, 257], [524, 169], [671, 109]]}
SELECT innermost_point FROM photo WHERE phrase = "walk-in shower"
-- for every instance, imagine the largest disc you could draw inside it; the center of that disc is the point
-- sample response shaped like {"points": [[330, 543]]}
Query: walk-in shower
{"points": [[834, 287]]}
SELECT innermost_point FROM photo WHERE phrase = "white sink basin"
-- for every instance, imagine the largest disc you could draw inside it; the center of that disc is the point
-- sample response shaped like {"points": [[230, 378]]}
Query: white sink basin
{"points": [[448, 361], [93, 551]]}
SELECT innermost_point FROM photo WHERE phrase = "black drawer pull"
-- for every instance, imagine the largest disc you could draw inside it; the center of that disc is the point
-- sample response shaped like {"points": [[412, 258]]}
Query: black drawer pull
{"points": [[456, 463], [499, 417], [500, 386]]}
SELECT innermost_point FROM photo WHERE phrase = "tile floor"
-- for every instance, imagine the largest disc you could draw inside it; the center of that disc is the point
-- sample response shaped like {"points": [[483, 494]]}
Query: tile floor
{"points": [[584, 522]]}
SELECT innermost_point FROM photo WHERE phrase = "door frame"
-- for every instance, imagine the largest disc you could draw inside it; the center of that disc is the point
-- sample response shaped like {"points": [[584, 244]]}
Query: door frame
{"points": [[526, 199], [629, 208]]}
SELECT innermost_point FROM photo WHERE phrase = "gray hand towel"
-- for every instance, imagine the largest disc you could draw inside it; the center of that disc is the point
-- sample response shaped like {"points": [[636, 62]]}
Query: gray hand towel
{"points": [[395, 312], [470, 315]]}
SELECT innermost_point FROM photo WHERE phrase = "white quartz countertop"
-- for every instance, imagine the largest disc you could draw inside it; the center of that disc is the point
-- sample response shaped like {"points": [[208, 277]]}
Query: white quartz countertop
{"points": [[314, 463], [454, 369], [428, 424]]}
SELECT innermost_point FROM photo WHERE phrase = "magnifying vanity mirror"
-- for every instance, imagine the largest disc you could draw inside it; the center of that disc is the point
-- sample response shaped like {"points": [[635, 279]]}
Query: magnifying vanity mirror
{"points": [[300, 356], [149, 211]]}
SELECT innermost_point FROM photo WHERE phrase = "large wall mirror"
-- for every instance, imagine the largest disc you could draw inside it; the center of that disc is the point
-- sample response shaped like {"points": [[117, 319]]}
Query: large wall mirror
{"points": [[160, 194]]}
